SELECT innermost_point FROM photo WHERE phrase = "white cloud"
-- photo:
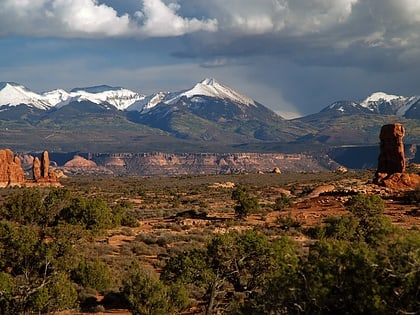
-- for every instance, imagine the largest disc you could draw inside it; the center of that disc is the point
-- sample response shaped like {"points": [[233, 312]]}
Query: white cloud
{"points": [[162, 20], [89, 18], [61, 18]]}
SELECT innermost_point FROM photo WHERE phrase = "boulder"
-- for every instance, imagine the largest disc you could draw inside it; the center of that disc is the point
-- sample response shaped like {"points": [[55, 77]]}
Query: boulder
{"points": [[341, 169], [276, 170]]}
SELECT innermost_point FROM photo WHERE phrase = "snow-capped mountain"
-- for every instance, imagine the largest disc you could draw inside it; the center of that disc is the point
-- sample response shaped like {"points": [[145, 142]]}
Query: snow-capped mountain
{"points": [[208, 99], [378, 103], [13, 94], [118, 97], [208, 88], [388, 104], [211, 110]]}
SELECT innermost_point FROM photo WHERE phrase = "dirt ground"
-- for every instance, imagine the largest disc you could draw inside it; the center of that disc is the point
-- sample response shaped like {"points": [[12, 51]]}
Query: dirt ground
{"points": [[309, 210]]}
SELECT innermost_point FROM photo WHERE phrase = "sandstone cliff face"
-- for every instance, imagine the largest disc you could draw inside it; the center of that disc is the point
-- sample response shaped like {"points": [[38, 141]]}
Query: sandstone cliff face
{"points": [[11, 172], [171, 164]]}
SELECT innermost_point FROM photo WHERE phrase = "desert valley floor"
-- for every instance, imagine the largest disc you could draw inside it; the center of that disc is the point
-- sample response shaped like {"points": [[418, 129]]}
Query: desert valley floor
{"points": [[177, 212]]}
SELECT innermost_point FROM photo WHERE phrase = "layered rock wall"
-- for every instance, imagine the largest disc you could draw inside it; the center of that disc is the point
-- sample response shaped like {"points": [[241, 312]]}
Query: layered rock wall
{"points": [[172, 164]]}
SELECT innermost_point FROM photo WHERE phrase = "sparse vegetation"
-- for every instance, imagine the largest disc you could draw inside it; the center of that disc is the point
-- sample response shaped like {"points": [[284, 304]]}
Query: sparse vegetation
{"points": [[60, 249], [245, 203], [282, 202]]}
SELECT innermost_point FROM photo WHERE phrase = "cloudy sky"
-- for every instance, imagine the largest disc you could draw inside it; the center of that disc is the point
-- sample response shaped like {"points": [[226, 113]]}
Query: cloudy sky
{"points": [[294, 56]]}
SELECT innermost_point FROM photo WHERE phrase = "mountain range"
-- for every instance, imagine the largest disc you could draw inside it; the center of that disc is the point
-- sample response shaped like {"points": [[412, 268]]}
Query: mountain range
{"points": [[210, 116]]}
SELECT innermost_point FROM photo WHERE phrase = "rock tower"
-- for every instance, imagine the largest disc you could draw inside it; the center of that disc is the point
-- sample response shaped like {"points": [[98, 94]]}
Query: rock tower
{"points": [[391, 158], [41, 172], [11, 172], [391, 161]]}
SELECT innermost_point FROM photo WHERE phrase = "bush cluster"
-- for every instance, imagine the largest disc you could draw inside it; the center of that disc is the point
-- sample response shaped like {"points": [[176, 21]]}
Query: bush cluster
{"points": [[357, 263]]}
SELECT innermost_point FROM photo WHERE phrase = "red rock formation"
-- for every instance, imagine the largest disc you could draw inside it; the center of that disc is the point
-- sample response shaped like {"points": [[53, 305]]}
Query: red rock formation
{"points": [[11, 172], [41, 171], [79, 161], [36, 168], [401, 181], [391, 158], [45, 164], [391, 162]]}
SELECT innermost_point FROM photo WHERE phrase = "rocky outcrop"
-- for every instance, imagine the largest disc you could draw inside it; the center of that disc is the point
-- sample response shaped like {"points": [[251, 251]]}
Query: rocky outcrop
{"points": [[401, 181], [391, 158], [391, 162], [11, 171], [174, 164], [276, 170], [79, 161], [36, 168], [41, 171], [45, 165]]}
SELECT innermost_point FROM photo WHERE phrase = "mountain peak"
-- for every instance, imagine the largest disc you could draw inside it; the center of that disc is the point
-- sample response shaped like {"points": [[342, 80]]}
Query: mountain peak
{"points": [[4, 84], [379, 97], [210, 87], [209, 81], [13, 94]]}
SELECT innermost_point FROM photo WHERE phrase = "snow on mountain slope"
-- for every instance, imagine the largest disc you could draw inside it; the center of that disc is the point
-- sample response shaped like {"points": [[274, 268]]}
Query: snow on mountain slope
{"points": [[408, 104], [382, 103], [118, 97], [212, 88], [13, 94], [55, 97], [149, 102], [379, 97], [205, 88]]}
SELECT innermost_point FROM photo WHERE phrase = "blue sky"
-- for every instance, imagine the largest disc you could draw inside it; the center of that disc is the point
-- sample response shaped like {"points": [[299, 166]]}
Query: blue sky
{"points": [[294, 56]]}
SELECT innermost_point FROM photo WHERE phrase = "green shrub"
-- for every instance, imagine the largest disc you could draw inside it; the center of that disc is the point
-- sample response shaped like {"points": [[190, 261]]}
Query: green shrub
{"points": [[368, 210], [245, 204], [59, 294], [147, 295], [92, 214], [282, 202], [31, 206], [93, 274]]}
